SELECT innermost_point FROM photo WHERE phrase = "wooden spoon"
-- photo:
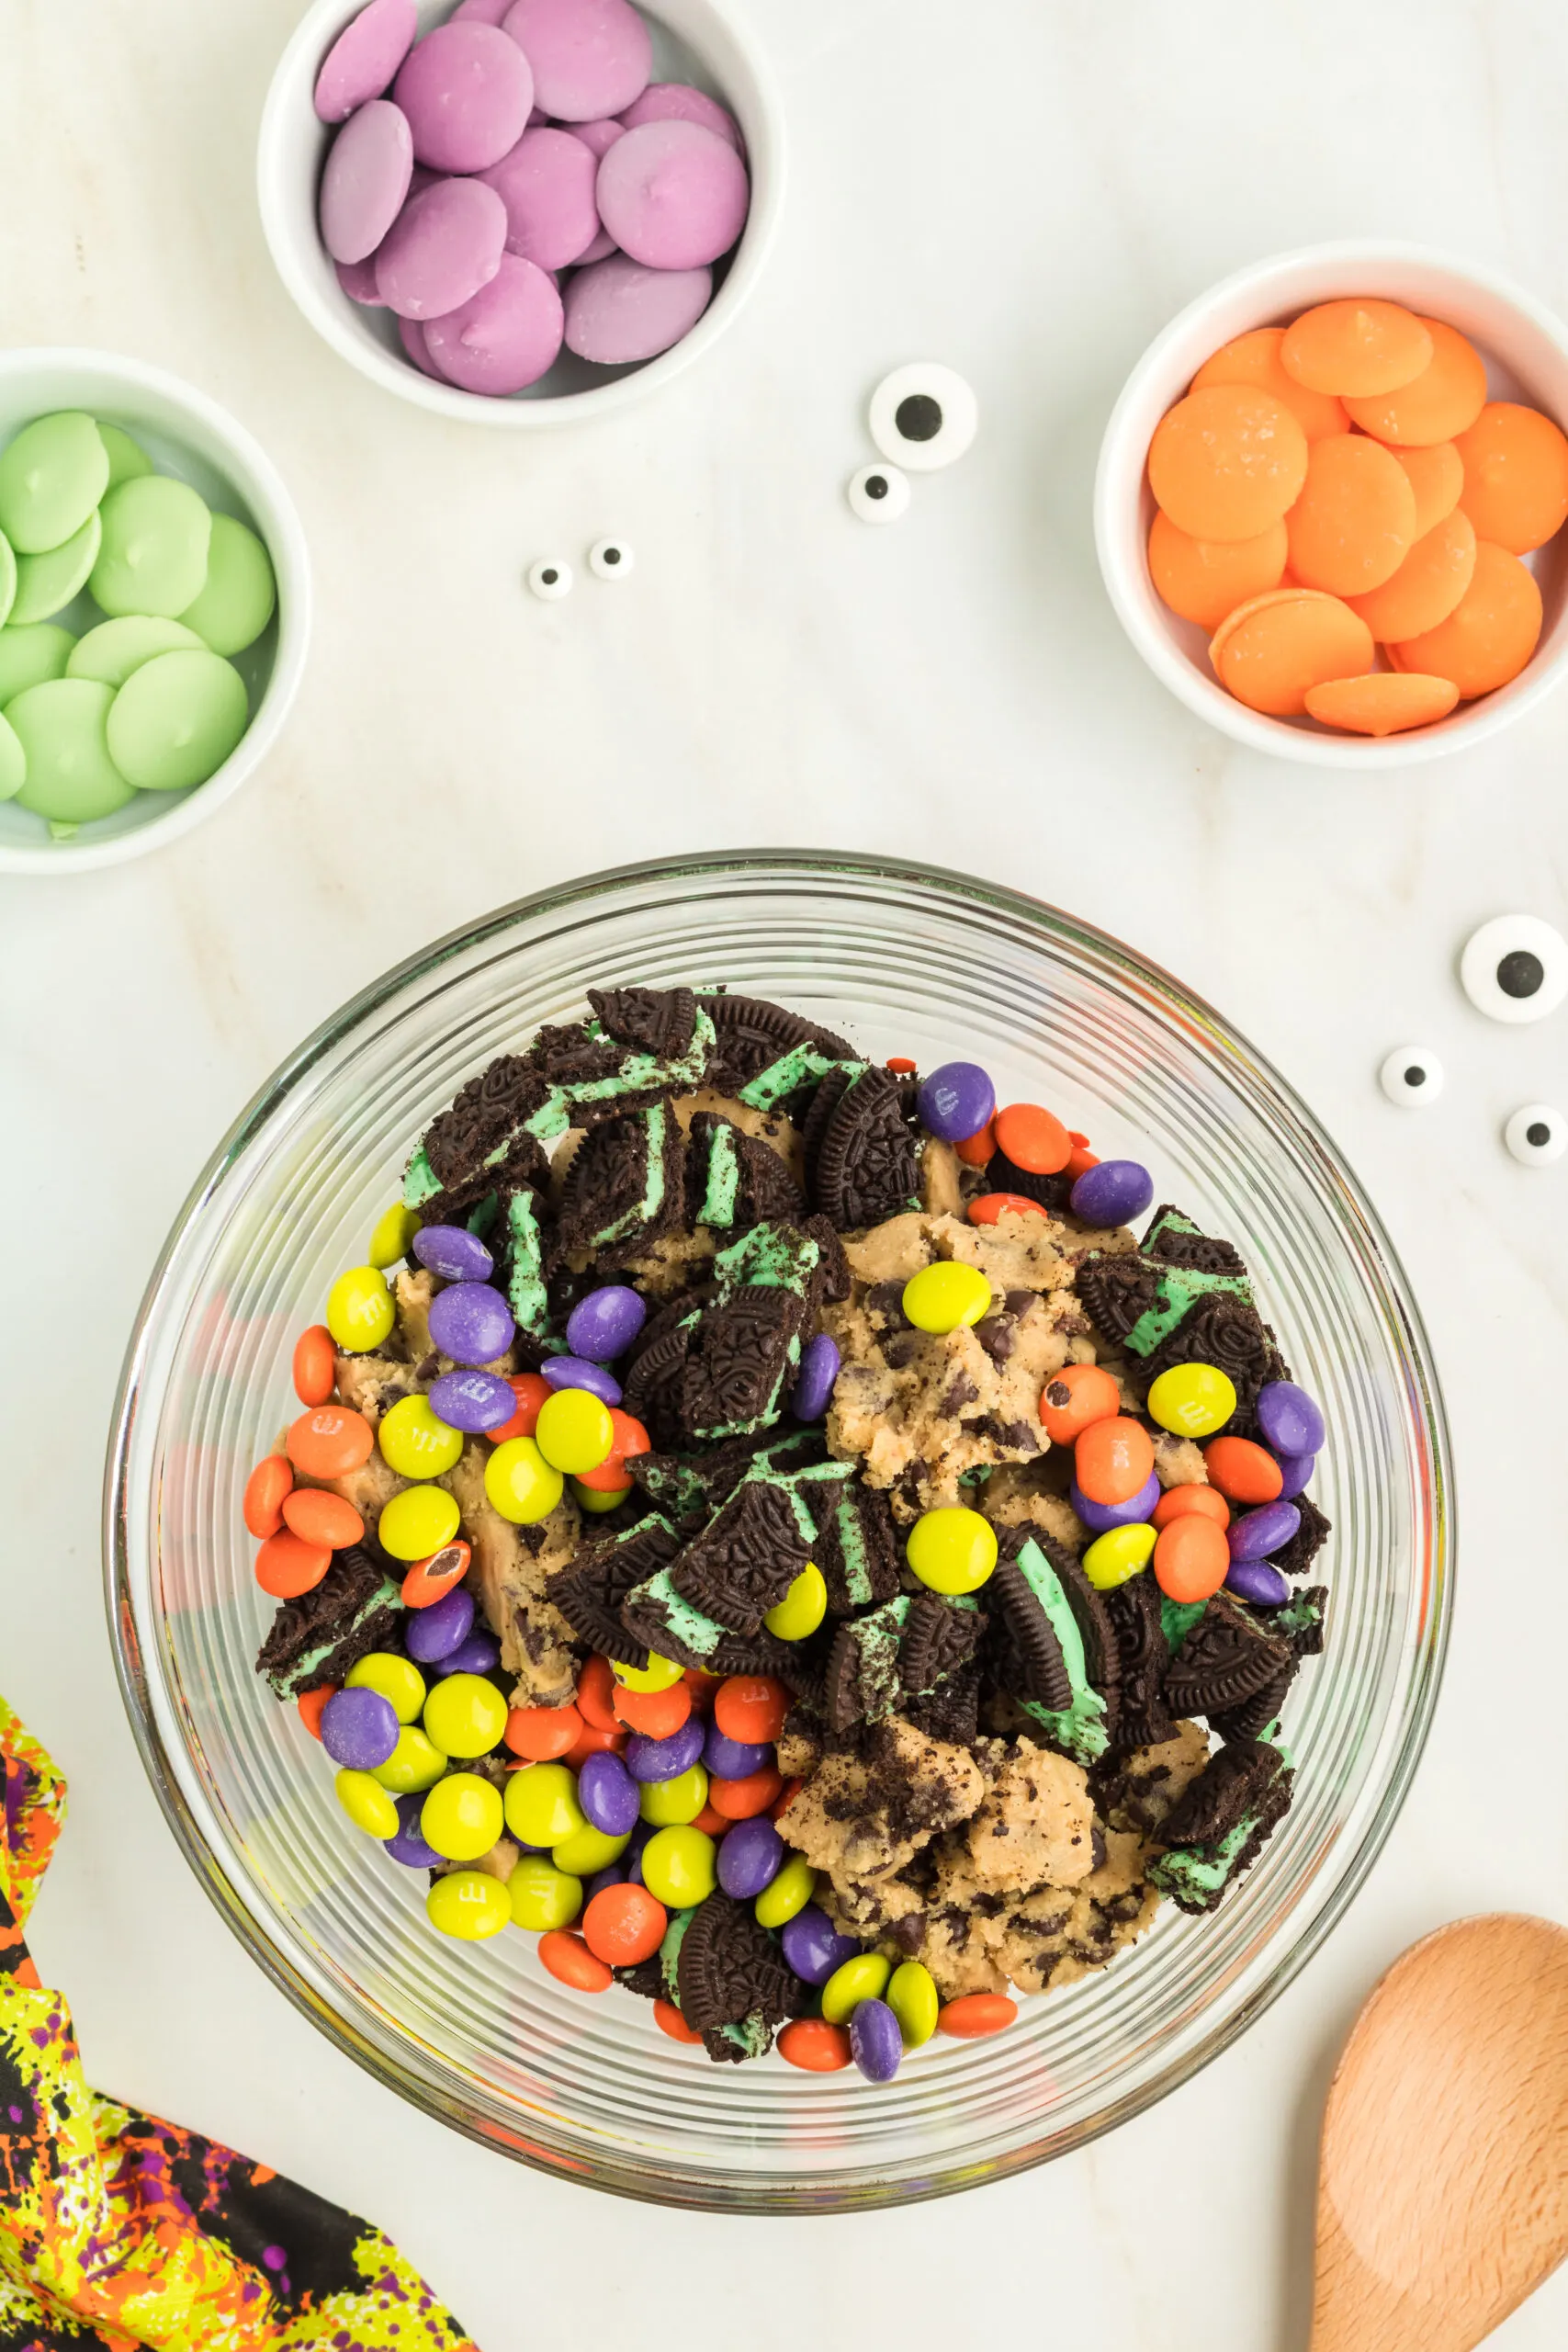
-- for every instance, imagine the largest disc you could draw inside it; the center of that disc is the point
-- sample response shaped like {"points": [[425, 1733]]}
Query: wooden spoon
{"points": [[1443, 2176]]}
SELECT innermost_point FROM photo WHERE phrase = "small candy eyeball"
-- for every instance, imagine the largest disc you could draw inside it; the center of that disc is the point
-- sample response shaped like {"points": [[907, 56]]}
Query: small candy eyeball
{"points": [[610, 558], [1514, 968], [550, 578], [923, 417], [879, 493], [1537, 1135], [1410, 1076]]}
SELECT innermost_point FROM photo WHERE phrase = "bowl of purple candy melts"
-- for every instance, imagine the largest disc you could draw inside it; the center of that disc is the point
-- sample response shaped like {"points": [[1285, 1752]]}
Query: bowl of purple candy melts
{"points": [[522, 211]]}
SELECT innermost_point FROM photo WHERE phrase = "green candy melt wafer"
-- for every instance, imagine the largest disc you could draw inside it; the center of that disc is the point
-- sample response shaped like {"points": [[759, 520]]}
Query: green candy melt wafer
{"points": [[46, 583], [52, 478], [115, 649], [13, 761], [153, 560], [8, 578], [128, 459], [29, 655], [176, 720], [72, 776], [239, 593]]}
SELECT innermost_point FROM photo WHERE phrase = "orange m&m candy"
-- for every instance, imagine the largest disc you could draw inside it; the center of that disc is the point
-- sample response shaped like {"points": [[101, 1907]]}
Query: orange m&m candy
{"points": [[533, 1393], [814, 2045], [1270, 652], [321, 1517], [1254, 359], [596, 1694], [711, 1822], [987, 1208], [591, 1742], [1197, 1502], [1243, 1471], [312, 1702], [265, 1487], [624, 1925], [315, 1366], [743, 1799], [658, 1714], [1073, 1398], [330, 1442], [1437, 475], [1355, 349], [751, 1708], [1354, 523], [974, 2014], [1516, 476], [541, 1734], [1033, 1138], [569, 1960], [1202, 579], [286, 1567], [1446, 397], [1191, 1558], [1226, 462], [1489, 636], [975, 1149], [1113, 1460], [432, 1580], [668, 2019], [1384, 704]]}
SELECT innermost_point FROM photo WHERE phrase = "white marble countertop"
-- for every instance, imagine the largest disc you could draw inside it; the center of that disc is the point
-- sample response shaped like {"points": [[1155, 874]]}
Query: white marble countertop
{"points": [[1025, 191]]}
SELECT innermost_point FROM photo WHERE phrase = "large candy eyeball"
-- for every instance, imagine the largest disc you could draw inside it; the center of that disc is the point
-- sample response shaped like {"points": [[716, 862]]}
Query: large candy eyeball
{"points": [[923, 417], [1514, 968], [879, 493], [610, 558], [1537, 1135], [550, 578], [1410, 1076]]}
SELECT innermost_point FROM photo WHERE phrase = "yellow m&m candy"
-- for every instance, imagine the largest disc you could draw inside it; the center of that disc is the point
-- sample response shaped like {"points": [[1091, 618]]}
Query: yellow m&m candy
{"points": [[418, 1522], [416, 1443], [574, 1431], [521, 1484], [952, 1549], [942, 1298], [803, 1607], [542, 1897], [541, 1804], [1121, 1553], [469, 1904], [461, 1817], [1192, 1399], [359, 1310]]}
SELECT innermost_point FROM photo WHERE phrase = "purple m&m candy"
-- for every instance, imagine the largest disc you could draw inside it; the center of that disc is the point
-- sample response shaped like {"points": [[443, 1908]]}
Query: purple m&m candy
{"points": [[1290, 1418], [454, 1253], [411, 1846], [589, 58], [678, 102], [674, 195], [366, 180], [366, 53], [444, 246], [1098, 1517], [1296, 1470], [471, 1323], [472, 1401], [468, 92], [1256, 1580], [603, 1324], [546, 185], [614, 1874], [631, 1860], [503, 337], [1259, 1532], [359, 1728], [617, 312], [876, 2045], [608, 1794], [576, 1372], [819, 1367], [813, 1946], [733, 1760], [955, 1102], [478, 1653], [1113, 1194], [430, 1635], [665, 1759], [749, 1857]]}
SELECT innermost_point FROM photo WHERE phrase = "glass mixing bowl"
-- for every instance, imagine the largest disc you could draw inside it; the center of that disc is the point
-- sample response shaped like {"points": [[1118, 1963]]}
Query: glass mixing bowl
{"points": [[905, 960]]}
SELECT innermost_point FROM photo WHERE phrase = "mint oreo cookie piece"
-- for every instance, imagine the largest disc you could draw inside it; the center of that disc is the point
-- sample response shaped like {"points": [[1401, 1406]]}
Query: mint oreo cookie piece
{"points": [[1227, 1658], [1033, 1666], [730, 1968], [590, 1592], [662, 1021], [746, 1560], [1143, 1654], [754, 1038], [625, 1188], [1294, 1558], [316, 1638], [866, 1168]]}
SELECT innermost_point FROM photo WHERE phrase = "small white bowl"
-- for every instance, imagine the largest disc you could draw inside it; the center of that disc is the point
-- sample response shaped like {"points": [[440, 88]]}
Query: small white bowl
{"points": [[187, 435], [693, 40], [1525, 350]]}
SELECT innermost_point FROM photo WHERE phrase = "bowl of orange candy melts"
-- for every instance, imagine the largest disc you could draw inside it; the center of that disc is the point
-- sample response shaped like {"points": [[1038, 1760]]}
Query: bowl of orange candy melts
{"points": [[1331, 501]]}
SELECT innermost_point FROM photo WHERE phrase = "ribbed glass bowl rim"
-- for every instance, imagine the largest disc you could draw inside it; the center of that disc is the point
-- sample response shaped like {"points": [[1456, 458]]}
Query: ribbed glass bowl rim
{"points": [[1299, 1132]]}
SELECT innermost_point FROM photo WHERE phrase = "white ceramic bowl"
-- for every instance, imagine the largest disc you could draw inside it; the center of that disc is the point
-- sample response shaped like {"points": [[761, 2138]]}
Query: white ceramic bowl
{"points": [[693, 40], [1525, 350], [187, 435]]}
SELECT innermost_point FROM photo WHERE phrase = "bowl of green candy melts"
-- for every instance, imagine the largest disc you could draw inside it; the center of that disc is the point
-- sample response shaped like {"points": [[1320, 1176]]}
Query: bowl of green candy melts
{"points": [[155, 608]]}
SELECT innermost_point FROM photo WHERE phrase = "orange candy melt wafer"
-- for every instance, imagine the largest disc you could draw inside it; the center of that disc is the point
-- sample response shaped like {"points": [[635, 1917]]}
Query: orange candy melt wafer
{"points": [[1205, 579], [1273, 649], [1437, 475], [1384, 704], [1354, 523], [1516, 476], [1488, 637], [1255, 359], [1428, 585], [1226, 462], [1444, 400], [1356, 348]]}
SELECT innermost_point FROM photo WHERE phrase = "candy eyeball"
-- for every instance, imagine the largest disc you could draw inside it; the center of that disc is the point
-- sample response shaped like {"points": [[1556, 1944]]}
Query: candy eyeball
{"points": [[550, 580], [610, 558], [1410, 1076], [923, 417], [880, 493], [1514, 968], [1537, 1135]]}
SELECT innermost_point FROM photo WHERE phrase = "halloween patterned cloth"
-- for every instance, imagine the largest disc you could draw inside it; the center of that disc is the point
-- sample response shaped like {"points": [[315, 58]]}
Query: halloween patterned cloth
{"points": [[118, 2230]]}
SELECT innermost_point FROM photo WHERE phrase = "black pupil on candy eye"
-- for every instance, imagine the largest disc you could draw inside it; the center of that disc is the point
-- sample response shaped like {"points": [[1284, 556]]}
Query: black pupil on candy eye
{"points": [[919, 418], [611, 555], [876, 486], [550, 577], [1415, 1076], [1538, 1133], [1521, 973]]}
